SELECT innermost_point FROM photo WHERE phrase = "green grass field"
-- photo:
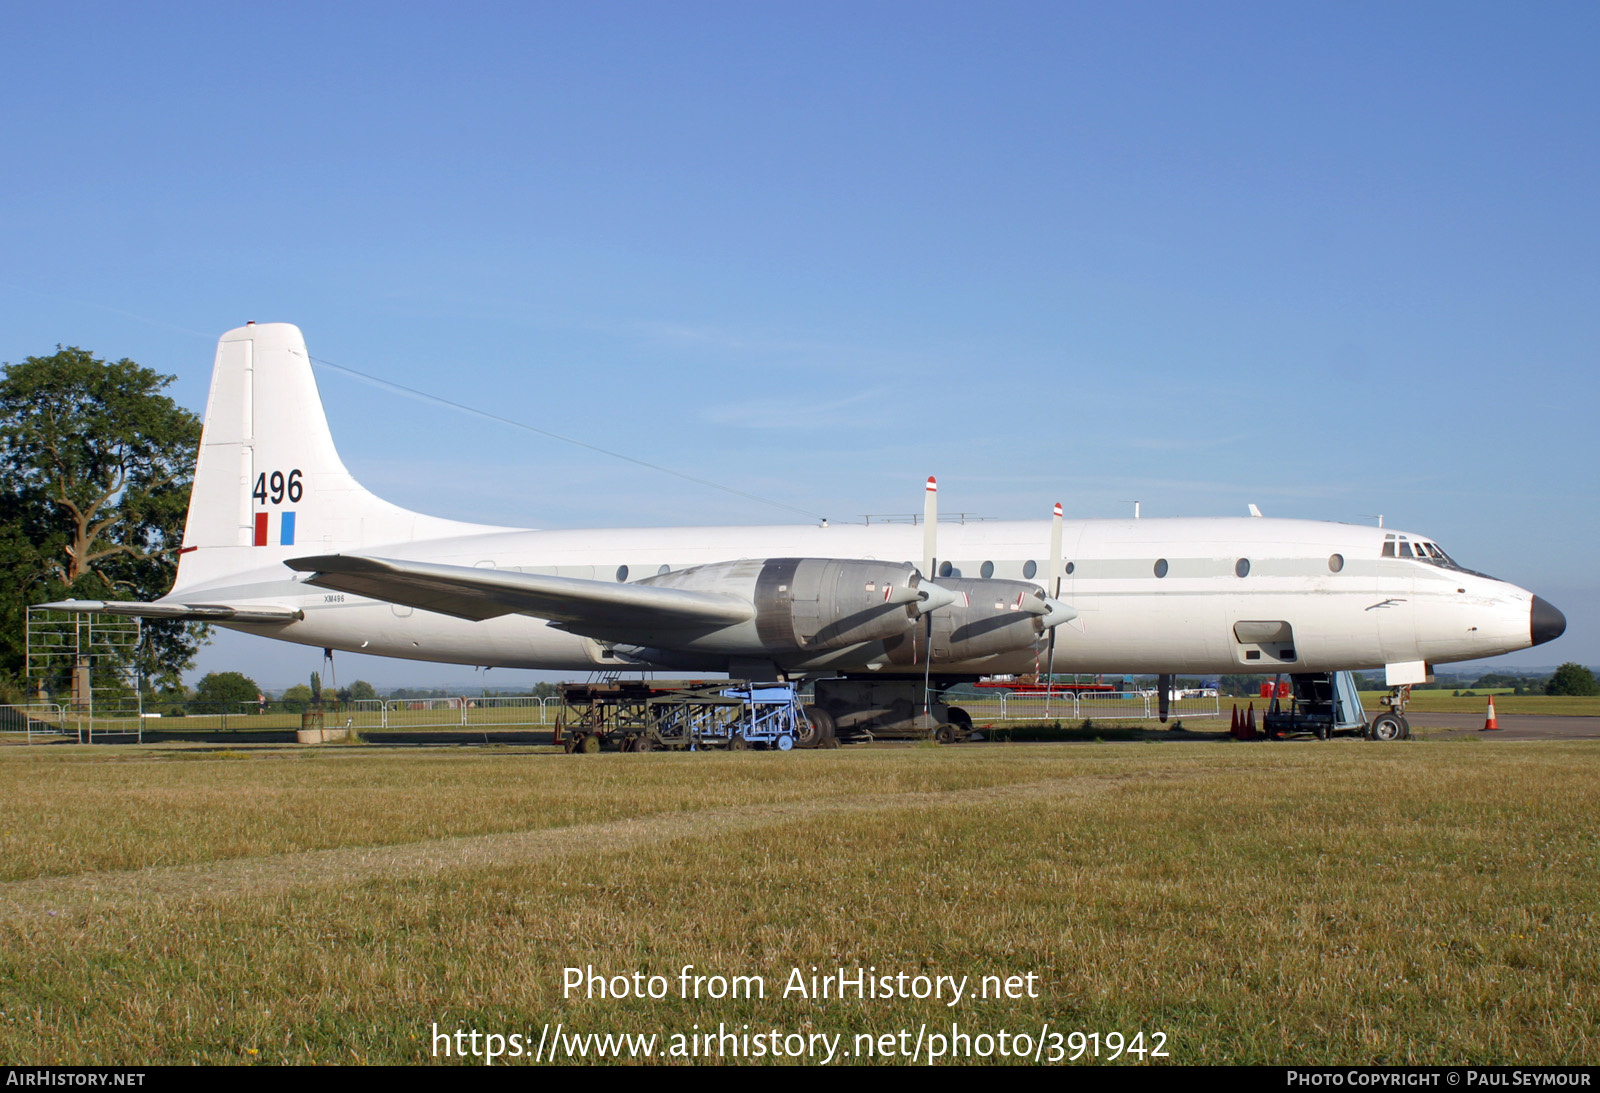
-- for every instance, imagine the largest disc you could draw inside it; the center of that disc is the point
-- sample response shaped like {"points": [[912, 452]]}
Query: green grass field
{"points": [[1337, 903], [1504, 702]]}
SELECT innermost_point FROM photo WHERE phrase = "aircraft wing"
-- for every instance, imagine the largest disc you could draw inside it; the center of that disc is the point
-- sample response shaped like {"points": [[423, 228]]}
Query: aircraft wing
{"points": [[473, 593], [184, 612]]}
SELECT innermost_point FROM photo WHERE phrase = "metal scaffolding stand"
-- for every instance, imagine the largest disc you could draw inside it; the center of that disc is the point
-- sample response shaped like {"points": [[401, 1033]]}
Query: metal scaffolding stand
{"points": [[88, 666]]}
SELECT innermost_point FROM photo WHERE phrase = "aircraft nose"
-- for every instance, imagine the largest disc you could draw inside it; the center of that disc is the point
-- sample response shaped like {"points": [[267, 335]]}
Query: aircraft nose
{"points": [[1545, 622]]}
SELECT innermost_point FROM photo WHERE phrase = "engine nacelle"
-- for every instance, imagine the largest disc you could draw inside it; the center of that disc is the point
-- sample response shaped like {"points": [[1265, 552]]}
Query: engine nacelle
{"points": [[813, 604], [988, 618], [850, 613]]}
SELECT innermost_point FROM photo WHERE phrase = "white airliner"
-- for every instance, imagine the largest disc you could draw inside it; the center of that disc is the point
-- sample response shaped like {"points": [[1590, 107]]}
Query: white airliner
{"points": [[282, 542]]}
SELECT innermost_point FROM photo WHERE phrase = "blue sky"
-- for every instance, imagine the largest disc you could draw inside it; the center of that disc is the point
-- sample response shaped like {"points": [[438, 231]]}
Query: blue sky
{"points": [[1334, 260]]}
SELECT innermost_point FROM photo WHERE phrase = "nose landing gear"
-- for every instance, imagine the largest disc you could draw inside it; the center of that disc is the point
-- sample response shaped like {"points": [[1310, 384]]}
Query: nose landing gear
{"points": [[1392, 723]]}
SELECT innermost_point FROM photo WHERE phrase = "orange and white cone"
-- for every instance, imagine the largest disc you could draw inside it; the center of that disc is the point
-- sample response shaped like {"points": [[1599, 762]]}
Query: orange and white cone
{"points": [[1250, 722], [1490, 723], [1233, 729]]}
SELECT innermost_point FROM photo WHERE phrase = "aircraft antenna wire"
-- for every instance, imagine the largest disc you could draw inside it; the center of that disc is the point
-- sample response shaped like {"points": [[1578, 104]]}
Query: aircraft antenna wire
{"points": [[485, 414], [426, 397]]}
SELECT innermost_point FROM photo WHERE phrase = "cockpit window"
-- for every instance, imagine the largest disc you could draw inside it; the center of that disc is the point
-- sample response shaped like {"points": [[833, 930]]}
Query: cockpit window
{"points": [[1443, 559], [1399, 547]]}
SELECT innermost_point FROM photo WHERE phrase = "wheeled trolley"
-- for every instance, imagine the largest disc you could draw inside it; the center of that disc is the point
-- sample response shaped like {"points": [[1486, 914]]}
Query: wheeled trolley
{"points": [[680, 714]]}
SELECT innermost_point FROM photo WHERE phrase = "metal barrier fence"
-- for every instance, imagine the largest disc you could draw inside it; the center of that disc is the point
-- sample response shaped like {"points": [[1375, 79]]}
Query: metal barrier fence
{"points": [[40, 719], [465, 713], [233, 717], [487, 714], [377, 714], [1109, 706], [36, 719]]}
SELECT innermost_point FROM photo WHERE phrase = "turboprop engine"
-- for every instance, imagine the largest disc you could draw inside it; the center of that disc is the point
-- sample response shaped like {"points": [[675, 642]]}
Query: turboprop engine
{"points": [[814, 604], [988, 618], [809, 608]]}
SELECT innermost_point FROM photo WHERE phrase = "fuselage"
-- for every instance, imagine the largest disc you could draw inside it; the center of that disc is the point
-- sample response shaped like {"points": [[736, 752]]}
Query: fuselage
{"points": [[1197, 595]]}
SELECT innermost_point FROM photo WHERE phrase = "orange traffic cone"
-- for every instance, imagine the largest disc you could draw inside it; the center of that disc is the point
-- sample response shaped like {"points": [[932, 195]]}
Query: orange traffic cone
{"points": [[1233, 729], [1490, 724], [1250, 722]]}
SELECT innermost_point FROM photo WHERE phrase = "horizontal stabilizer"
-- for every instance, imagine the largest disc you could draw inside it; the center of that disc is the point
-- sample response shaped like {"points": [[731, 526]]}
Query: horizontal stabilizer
{"points": [[475, 593], [184, 612]]}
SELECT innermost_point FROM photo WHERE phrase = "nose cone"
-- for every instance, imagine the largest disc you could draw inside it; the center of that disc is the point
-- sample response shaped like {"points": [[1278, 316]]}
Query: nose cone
{"points": [[1546, 623]]}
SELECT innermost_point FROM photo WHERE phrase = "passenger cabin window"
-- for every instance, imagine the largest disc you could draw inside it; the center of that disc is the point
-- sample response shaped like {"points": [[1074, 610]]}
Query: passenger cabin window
{"points": [[1029, 569], [986, 570]]}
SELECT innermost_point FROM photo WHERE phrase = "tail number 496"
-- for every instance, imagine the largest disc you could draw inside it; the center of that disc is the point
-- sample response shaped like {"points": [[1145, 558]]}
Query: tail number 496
{"points": [[276, 486]]}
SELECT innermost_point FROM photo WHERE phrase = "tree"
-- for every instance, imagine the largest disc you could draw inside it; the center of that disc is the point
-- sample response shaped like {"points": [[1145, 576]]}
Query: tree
{"points": [[358, 691], [97, 464], [226, 692], [22, 565], [297, 699], [1572, 679]]}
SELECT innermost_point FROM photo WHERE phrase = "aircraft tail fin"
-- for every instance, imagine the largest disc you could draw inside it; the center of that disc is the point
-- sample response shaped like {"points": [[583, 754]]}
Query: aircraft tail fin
{"points": [[268, 483]]}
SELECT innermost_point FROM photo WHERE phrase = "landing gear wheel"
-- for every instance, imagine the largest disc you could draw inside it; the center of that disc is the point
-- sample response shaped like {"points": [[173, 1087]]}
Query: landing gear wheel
{"points": [[1405, 727], [590, 745], [946, 733], [1388, 726], [816, 730]]}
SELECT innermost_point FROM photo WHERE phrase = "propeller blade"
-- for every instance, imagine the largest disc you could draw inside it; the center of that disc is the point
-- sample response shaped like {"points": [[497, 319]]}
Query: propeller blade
{"points": [[1055, 552], [1050, 622], [930, 558]]}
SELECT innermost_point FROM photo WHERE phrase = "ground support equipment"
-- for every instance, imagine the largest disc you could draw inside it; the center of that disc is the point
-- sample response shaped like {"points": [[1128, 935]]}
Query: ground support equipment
{"points": [[1324, 704], [678, 714]]}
